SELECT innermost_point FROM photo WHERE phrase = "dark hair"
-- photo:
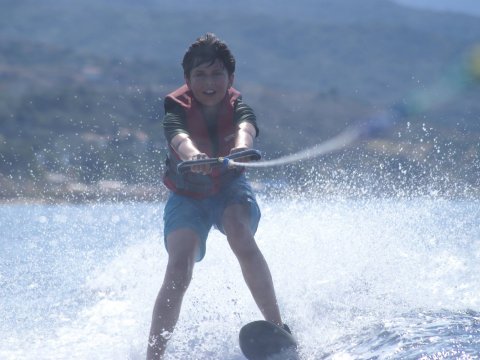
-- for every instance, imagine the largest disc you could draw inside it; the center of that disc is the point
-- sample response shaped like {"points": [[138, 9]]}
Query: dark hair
{"points": [[207, 49]]}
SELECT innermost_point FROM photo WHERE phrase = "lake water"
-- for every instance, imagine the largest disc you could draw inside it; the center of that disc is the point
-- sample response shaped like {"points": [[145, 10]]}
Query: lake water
{"points": [[356, 279]]}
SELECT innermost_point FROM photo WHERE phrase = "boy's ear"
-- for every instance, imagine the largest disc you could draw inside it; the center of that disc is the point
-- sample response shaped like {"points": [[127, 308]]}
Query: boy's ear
{"points": [[231, 77], [187, 81]]}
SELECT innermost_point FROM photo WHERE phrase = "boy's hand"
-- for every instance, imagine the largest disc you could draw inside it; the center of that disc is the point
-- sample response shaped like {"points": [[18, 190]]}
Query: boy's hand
{"points": [[201, 169], [238, 149]]}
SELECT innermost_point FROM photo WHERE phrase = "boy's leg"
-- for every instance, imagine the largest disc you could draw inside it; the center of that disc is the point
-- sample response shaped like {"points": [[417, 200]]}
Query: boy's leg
{"points": [[236, 225], [182, 247]]}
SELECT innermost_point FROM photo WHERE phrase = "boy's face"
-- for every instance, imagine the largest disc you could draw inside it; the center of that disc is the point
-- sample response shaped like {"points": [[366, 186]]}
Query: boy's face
{"points": [[209, 82]]}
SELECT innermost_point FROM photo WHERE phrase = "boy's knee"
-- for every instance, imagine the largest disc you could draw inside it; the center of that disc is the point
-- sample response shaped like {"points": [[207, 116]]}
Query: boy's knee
{"points": [[238, 230], [182, 246], [248, 255], [179, 272], [245, 248], [181, 266]]}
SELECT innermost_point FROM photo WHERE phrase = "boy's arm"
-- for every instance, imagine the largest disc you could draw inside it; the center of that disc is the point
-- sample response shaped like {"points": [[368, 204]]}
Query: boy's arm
{"points": [[174, 126], [245, 135], [186, 150], [247, 129], [184, 147]]}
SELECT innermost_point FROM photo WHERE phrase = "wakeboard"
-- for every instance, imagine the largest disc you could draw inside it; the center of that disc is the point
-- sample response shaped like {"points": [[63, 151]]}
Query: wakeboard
{"points": [[263, 340]]}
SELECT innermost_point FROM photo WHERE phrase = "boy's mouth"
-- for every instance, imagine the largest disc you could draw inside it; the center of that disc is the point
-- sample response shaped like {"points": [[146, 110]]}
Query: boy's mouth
{"points": [[209, 92]]}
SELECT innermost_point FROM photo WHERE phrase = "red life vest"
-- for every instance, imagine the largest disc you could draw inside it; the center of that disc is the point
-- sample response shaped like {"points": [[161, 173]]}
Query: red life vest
{"points": [[194, 184]]}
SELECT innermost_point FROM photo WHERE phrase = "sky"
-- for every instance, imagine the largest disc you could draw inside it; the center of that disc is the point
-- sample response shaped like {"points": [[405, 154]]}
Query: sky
{"points": [[471, 7]]}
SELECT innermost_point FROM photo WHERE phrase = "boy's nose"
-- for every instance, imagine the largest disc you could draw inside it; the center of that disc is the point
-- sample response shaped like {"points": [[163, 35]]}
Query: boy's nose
{"points": [[209, 80]]}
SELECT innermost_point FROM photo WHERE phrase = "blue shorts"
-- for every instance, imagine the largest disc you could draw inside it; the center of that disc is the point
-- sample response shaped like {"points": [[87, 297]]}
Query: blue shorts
{"points": [[199, 215]]}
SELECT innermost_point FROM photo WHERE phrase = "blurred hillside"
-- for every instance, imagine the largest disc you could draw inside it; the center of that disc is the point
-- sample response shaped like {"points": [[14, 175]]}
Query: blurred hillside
{"points": [[82, 85]]}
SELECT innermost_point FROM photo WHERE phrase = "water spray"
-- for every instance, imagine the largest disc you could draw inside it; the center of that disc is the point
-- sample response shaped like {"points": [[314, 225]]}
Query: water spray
{"points": [[461, 76]]}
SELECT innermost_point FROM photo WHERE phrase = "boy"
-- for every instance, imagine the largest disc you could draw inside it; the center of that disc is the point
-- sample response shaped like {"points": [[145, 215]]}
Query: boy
{"points": [[207, 118]]}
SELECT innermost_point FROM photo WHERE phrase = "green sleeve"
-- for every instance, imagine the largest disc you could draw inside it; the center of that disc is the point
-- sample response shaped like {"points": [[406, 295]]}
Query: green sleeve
{"points": [[174, 121], [244, 113]]}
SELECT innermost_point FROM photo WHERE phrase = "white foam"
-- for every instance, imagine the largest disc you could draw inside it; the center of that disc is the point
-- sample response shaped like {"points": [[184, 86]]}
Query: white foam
{"points": [[338, 267]]}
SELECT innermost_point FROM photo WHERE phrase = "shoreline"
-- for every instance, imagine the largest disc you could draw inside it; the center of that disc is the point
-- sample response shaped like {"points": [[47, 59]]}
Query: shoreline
{"points": [[79, 193], [154, 194]]}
